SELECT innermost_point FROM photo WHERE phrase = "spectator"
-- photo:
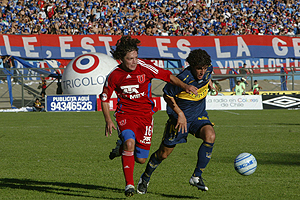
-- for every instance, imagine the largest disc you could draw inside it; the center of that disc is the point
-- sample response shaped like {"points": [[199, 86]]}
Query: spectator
{"points": [[59, 88], [7, 62], [43, 85], [238, 89], [213, 88], [1, 68], [243, 84], [226, 17], [37, 106], [256, 87], [244, 71]]}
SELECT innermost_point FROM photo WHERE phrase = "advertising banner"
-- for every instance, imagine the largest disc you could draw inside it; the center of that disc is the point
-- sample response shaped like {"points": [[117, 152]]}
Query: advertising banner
{"points": [[281, 101], [235, 102], [243, 102], [263, 54], [71, 103]]}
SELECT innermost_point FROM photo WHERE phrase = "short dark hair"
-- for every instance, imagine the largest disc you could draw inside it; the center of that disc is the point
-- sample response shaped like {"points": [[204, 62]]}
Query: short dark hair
{"points": [[198, 57], [124, 45]]}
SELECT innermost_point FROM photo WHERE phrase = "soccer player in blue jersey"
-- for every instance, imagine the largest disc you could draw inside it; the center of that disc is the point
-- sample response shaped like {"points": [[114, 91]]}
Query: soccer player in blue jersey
{"points": [[187, 114]]}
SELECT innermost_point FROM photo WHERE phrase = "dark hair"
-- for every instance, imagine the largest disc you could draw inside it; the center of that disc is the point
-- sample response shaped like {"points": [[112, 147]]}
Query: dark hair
{"points": [[198, 57], [124, 45]]}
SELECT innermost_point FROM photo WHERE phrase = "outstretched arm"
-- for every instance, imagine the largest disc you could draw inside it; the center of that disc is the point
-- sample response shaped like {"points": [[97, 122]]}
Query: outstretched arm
{"points": [[109, 123], [188, 88]]}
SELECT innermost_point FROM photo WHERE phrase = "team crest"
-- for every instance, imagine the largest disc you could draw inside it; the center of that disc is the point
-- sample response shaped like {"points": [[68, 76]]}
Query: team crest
{"points": [[141, 78], [122, 122]]}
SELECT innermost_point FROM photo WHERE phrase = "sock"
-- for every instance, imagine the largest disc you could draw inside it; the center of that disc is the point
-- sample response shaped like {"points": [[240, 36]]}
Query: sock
{"points": [[204, 155], [128, 166], [151, 166]]}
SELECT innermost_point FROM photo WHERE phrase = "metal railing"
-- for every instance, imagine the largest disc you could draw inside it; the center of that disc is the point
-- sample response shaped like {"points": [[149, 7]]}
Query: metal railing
{"points": [[20, 78]]}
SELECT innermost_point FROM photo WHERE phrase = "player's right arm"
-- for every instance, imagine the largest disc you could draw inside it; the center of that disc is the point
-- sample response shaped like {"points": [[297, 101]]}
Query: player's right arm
{"points": [[187, 88], [181, 121], [109, 123], [105, 97]]}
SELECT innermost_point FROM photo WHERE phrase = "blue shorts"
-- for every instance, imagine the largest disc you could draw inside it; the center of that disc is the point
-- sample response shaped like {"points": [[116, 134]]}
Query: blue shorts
{"points": [[172, 136], [139, 152]]}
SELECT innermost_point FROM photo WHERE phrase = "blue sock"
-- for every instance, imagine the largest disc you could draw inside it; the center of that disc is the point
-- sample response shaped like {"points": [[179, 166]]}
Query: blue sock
{"points": [[204, 155], [151, 166]]}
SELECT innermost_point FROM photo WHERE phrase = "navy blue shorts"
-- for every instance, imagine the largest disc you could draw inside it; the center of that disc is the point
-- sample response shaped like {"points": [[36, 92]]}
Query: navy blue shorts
{"points": [[172, 136]]}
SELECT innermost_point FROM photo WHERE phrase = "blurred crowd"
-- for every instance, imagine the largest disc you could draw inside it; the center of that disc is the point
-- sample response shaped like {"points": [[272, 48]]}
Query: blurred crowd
{"points": [[150, 17]]}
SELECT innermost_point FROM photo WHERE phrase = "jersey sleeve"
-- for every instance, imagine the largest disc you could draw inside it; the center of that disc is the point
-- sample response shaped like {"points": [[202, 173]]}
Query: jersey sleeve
{"points": [[155, 72], [108, 88], [209, 71]]}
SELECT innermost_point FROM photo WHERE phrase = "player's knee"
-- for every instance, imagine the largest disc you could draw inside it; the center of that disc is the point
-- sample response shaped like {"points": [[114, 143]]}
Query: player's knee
{"points": [[210, 136], [207, 134], [162, 155], [129, 145], [129, 138]]}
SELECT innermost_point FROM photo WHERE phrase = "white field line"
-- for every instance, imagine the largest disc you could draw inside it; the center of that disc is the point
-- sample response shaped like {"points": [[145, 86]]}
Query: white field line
{"points": [[231, 112]]}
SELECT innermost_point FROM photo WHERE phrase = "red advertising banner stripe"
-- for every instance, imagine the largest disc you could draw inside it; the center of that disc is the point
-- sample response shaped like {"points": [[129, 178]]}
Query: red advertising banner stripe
{"points": [[152, 47]]}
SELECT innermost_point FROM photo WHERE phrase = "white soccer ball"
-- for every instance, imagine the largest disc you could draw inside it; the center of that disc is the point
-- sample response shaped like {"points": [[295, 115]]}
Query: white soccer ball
{"points": [[245, 164]]}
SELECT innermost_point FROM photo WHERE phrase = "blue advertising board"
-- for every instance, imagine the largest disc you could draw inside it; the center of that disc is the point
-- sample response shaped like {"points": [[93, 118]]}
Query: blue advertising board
{"points": [[71, 103]]}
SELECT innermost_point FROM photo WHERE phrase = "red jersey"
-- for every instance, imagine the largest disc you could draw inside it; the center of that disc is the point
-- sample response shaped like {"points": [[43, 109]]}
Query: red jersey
{"points": [[133, 88]]}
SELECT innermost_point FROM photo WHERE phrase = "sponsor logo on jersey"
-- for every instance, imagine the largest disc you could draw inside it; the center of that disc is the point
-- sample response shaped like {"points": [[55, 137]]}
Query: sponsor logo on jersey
{"points": [[202, 93], [130, 89]]}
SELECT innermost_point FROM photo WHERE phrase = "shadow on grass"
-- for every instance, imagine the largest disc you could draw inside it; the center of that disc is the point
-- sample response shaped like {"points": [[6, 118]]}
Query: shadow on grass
{"points": [[278, 158], [177, 196], [288, 124], [69, 189], [270, 158]]}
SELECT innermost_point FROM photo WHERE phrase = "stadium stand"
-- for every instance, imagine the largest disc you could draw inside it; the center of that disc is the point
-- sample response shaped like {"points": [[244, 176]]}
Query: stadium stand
{"points": [[153, 17]]}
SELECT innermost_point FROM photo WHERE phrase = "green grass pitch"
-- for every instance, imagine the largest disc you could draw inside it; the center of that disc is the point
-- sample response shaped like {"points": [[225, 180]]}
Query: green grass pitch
{"points": [[65, 156]]}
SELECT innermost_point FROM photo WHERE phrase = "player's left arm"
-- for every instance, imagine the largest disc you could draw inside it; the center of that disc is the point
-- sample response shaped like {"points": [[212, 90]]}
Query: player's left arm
{"points": [[181, 121]]}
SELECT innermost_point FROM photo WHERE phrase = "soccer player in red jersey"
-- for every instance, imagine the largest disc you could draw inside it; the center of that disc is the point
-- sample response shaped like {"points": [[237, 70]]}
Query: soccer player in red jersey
{"points": [[131, 80]]}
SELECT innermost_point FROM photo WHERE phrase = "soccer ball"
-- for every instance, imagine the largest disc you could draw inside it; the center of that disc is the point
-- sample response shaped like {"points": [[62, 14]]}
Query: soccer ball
{"points": [[245, 164]]}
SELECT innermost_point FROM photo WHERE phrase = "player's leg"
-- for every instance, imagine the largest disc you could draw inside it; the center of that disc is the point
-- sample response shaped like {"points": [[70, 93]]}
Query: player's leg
{"points": [[168, 143], [207, 134], [155, 159], [128, 160]]}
